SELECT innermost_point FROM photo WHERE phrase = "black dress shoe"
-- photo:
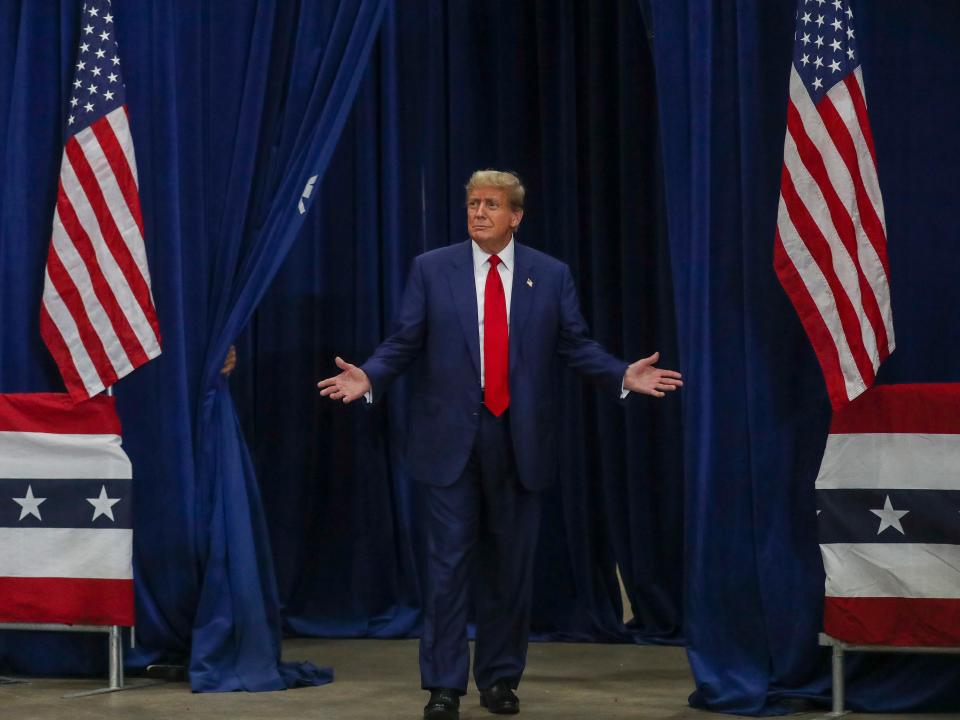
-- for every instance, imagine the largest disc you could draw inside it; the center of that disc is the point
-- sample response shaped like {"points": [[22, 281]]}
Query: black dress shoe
{"points": [[444, 705], [500, 699]]}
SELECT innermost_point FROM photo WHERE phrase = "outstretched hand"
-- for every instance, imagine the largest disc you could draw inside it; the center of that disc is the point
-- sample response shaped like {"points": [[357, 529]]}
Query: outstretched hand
{"points": [[348, 386], [643, 377]]}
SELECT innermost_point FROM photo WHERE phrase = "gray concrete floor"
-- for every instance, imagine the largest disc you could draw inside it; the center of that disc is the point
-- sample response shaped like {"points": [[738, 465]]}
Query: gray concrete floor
{"points": [[378, 679]]}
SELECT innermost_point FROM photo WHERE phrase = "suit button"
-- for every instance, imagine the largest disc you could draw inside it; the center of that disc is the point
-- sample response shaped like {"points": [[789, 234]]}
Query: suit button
{"points": [[476, 414]]}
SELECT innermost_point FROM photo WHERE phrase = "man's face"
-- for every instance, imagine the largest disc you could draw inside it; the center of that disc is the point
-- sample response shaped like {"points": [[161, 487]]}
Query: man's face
{"points": [[491, 219]]}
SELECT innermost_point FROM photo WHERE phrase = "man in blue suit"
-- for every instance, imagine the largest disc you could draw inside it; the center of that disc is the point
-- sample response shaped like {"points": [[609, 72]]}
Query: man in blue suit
{"points": [[489, 317]]}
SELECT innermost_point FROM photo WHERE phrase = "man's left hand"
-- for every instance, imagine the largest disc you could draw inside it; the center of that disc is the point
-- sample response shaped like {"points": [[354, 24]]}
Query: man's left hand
{"points": [[643, 377]]}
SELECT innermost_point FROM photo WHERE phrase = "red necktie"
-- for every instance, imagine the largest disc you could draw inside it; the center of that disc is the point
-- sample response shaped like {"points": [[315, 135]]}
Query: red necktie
{"points": [[496, 393]]}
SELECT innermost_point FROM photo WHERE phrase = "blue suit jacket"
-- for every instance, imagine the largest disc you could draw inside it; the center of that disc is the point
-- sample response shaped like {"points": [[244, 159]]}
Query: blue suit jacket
{"points": [[438, 322]]}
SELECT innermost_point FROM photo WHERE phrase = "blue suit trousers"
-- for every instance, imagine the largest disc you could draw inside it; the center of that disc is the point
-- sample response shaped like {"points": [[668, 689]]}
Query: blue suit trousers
{"points": [[482, 536]]}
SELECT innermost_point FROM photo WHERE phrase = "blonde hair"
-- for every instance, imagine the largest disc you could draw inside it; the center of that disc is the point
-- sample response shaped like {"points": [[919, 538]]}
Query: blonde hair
{"points": [[499, 179]]}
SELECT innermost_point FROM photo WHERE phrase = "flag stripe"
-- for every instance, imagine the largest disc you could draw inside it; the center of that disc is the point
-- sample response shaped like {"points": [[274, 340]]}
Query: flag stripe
{"points": [[890, 461], [122, 172], [73, 601], [854, 515], [107, 225], [820, 250], [926, 408], [70, 361], [128, 229], [819, 193], [912, 570], [66, 552], [798, 255], [840, 105], [55, 413], [70, 297], [846, 146], [814, 191], [57, 455], [813, 322], [83, 229], [902, 622], [871, 258], [75, 250], [120, 124], [125, 226], [67, 503]]}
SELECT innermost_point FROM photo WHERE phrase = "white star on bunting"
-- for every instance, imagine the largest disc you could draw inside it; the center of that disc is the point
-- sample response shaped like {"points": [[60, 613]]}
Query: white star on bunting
{"points": [[103, 505], [29, 505], [889, 517]]}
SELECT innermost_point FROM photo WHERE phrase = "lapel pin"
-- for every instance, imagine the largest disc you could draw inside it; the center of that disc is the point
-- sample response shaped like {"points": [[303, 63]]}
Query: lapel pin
{"points": [[529, 282]]}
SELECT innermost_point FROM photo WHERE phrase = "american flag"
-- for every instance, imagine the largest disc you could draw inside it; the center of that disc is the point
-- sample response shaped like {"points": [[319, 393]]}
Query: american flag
{"points": [[65, 512], [831, 247], [888, 499], [97, 318]]}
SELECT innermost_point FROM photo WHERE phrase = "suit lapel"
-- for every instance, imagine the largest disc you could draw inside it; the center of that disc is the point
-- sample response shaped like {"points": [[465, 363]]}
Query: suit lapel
{"points": [[464, 291], [524, 286]]}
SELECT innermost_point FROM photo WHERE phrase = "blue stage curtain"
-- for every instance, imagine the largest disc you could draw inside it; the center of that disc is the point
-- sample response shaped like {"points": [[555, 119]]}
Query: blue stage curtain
{"points": [[563, 93], [233, 107], [755, 408]]}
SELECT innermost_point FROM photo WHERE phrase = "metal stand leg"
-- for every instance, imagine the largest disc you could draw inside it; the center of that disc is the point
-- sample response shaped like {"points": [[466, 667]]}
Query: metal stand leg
{"points": [[115, 651], [116, 658], [840, 648], [838, 683]]}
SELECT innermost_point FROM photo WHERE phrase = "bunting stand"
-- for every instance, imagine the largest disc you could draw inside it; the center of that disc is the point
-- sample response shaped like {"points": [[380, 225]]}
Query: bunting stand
{"points": [[838, 698], [114, 653], [887, 501], [69, 527]]}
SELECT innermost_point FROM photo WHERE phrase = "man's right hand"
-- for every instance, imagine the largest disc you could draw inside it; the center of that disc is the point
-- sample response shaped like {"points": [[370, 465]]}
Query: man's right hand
{"points": [[349, 385]]}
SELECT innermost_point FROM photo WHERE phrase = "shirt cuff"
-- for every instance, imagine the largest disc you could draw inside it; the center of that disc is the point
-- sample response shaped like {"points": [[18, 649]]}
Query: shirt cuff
{"points": [[368, 396], [623, 391]]}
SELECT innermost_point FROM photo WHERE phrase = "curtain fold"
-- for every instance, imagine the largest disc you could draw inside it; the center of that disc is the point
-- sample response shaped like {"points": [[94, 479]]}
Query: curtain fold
{"points": [[230, 587]]}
